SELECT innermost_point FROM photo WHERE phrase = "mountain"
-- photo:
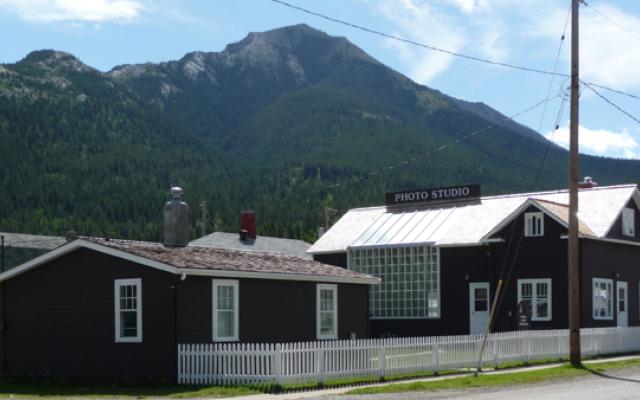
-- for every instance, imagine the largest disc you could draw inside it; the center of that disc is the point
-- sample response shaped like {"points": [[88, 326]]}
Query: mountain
{"points": [[285, 122]]}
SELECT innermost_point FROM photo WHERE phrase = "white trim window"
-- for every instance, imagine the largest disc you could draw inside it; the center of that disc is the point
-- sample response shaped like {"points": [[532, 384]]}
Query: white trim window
{"points": [[628, 222], [537, 294], [225, 310], [327, 311], [534, 224], [128, 310], [602, 298]]}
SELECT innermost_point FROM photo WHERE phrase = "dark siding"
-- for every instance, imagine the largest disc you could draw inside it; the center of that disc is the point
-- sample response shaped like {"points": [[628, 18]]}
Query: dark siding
{"points": [[610, 261], [537, 258], [60, 321], [337, 259], [616, 229], [270, 310]]}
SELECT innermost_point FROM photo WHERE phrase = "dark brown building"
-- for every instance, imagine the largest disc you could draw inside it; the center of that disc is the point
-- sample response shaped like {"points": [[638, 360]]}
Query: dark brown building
{"points": [[113, 309], [440, 261]]}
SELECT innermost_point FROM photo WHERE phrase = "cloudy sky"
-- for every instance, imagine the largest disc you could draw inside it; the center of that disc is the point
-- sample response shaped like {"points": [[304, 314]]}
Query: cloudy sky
{"points": [[105, 33]]}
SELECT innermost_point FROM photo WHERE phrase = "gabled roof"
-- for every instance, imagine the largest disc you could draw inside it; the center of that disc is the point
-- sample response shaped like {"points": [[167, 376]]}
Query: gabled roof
{"points": [[195, 260], [231, 241], [469, 223]]}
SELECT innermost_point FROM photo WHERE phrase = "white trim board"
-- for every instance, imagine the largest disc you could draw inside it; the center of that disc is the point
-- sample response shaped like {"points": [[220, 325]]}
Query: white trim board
{"points": [[81, 243]]}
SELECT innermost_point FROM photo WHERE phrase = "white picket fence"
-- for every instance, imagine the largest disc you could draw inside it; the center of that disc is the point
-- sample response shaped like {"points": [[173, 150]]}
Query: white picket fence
{"points": [[316, 362]]}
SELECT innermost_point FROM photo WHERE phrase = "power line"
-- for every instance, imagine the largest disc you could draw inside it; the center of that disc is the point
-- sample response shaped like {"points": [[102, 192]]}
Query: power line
{"points": [[611, 103], [448, 144], [611, 20], [413, 42], [441, 50]]}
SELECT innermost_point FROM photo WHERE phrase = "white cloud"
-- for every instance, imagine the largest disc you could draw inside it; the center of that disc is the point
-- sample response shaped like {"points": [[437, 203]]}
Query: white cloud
{"points": [[608, 54], [600, 142], [74, 10], [418, 21]]}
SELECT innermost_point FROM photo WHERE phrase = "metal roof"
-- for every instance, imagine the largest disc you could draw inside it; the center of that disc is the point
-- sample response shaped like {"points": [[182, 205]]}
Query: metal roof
{"points": [[466, 223], [224, 240]]}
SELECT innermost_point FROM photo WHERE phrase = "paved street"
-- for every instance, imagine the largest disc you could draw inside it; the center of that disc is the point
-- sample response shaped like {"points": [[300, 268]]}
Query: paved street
{"points": [[619, 385]]}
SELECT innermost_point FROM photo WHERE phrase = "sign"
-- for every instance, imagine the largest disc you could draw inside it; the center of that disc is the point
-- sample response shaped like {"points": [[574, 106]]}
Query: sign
{"points": [[523, 320], [432, 195]]}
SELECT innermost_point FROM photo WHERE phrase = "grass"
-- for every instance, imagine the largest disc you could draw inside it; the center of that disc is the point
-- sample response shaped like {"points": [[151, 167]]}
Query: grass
{"points": [[564, 371], [24, 388]]}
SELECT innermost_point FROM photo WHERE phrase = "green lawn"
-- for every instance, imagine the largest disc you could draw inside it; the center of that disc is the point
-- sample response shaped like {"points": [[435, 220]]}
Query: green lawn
{"points": [[29, 388], [564, 371]]}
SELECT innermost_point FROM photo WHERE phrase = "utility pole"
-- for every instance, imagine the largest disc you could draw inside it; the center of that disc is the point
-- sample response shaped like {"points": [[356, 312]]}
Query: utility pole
{"points": [[574, 249]]}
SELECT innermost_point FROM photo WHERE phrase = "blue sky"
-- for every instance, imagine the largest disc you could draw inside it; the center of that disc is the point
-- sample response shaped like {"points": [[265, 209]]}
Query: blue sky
{"points": [[105, 33]]}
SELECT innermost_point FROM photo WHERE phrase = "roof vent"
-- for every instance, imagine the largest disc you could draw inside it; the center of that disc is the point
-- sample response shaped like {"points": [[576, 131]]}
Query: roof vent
{"points": [[588, 183], [176, 220]]}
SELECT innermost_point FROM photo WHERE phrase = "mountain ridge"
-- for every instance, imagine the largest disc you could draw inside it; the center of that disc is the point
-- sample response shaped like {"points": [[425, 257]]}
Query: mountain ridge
{"points": [[285, 122]]}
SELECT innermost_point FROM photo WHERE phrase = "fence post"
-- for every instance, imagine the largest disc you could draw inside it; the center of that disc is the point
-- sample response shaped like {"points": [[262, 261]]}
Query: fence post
{"points": [[436, 356], [320, 365], [277, 363], [382, 355]]}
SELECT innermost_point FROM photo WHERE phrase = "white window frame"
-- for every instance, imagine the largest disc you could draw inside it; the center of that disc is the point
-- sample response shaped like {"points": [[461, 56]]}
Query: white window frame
{"points": [[608, 282], [216, 283], [628, 222], [529, 219], [333, 288], [534, 297], [118, 283]]}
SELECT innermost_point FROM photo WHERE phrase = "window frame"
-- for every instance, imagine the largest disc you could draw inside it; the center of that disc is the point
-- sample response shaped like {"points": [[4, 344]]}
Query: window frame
{"points": [[611, 303], [628, 222], [529, 218], [415, 285], [215, 284], [118, 283], [319, 288], [534, 297]]}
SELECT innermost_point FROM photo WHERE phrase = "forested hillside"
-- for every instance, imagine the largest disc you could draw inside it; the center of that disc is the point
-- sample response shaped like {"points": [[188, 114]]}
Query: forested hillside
{"points": [[284, 122]]}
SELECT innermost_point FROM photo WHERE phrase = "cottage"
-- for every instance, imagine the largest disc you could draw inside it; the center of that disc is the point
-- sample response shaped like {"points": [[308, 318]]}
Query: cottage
{"points": [[96, 308], [440, 261]]}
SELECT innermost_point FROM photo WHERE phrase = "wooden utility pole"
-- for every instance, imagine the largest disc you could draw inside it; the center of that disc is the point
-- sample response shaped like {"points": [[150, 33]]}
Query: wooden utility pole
{"points": [[574, 249]]}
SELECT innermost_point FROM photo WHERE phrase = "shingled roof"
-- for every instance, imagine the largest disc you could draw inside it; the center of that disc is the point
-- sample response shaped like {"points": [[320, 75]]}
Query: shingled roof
{"points": [[196, 260]]}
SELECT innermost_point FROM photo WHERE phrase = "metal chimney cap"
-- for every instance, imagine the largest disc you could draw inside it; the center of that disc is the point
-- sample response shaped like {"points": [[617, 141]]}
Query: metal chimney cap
{"points": [[176, 192]]}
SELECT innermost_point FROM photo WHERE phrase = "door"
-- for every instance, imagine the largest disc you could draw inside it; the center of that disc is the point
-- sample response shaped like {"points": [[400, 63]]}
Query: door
{"points": [[478, 307], [623, 305]]}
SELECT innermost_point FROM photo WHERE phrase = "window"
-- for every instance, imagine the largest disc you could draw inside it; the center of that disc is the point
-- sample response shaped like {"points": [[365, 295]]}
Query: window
{"points": [[327, 311], [533, 224], [225, 310], [410, 286], [602, 298], [536, 295], [128, 310], [628, 222]]}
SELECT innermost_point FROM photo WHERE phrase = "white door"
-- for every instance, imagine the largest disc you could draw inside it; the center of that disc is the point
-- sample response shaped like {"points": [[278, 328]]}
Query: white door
{"points": [[478, 307], [623, 305]]}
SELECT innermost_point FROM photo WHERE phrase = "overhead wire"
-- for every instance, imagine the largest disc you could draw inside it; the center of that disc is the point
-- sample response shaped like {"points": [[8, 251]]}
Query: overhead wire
{"points": [[450, 143], [611, 20], [611, 103], [439, 49]]}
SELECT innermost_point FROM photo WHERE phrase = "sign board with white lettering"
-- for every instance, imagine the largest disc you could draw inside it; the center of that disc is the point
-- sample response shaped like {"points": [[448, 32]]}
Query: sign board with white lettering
{"points": [[433, 195]]}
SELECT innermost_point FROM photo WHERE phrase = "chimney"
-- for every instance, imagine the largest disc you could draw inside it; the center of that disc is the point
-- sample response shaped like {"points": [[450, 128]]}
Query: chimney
{"points": [[248, 225], [587, 183], [176, 220]]}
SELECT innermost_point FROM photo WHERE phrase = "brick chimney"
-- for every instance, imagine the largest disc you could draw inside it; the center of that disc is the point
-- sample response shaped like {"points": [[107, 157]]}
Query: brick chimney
{"points": [[176, 220], [248, 225], [587, 183]]}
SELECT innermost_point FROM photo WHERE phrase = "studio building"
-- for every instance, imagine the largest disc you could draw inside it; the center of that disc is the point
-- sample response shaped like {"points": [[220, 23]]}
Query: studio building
{"points": [[441, 252]]}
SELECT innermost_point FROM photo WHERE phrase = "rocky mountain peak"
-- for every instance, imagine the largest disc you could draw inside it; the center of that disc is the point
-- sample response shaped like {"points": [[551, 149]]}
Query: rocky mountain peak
{"points": [[54, 60]]}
